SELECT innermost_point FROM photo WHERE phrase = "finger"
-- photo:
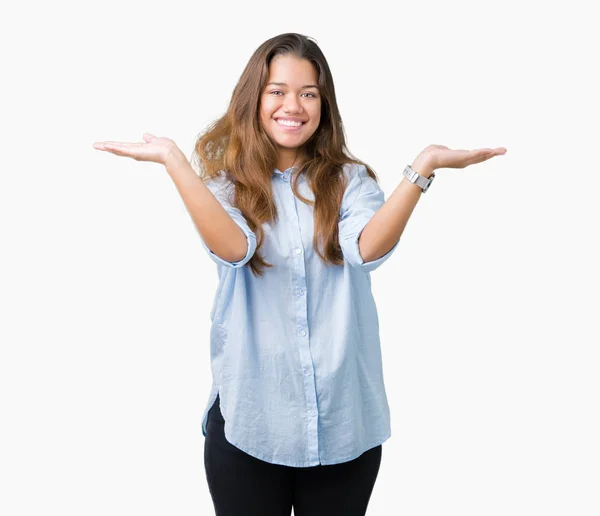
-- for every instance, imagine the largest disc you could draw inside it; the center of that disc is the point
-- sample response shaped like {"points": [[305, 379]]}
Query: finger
{"points": [[118, 150], [483, 155], [494, 152], [124, 145], [106, 145], [131, 150]]}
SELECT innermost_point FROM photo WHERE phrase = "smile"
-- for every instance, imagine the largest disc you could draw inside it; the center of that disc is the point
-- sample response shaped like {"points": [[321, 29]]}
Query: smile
{"points": [[288, 125]]}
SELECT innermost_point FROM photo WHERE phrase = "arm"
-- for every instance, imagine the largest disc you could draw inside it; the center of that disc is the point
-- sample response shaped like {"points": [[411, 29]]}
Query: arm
{"points": [[362, 199], [222, 227], [386, 226]]}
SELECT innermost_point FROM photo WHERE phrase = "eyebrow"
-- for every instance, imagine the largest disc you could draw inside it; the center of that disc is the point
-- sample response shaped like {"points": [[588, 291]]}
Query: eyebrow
{"points": [[284, 84]]}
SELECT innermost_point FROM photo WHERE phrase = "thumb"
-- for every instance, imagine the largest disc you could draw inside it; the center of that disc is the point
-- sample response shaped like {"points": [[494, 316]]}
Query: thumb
{"points": [[148, 137]]}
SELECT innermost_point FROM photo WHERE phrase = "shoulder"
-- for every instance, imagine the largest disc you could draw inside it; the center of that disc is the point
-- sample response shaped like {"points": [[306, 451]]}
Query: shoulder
{"points": [[220, 184], [361, 183], [352, 170], [358, 171], [221, 178], [355, 174]]}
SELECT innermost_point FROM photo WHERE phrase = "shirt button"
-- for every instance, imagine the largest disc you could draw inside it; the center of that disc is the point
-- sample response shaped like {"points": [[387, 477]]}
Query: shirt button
{"points": [[300, 292], [313, 413], [307, 372], [298, 250], [303, 333]]}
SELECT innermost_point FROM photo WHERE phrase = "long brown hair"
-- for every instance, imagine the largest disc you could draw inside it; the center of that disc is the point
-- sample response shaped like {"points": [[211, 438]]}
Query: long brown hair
{"points": [[237, 145]]}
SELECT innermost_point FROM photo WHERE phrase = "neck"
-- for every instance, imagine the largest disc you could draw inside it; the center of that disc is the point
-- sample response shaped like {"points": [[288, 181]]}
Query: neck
{"points": [[288, 158]]}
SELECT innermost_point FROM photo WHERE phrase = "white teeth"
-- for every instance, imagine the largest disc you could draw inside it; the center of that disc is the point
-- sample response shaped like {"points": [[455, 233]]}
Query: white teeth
{"points": [[289, 123]]}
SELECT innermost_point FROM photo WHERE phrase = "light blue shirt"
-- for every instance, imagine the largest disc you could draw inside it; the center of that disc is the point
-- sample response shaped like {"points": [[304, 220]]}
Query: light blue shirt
{"points": [[295, 354]]}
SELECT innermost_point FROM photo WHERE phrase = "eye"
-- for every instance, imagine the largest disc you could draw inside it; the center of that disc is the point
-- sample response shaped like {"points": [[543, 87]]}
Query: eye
{"points": [[307, 93]]}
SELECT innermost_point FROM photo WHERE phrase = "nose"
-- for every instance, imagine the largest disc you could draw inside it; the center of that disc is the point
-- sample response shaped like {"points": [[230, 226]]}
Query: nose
{"points": [[291, 105]]}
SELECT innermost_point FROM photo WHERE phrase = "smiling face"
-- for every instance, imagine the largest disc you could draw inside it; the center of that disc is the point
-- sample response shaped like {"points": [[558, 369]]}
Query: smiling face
{"points": [[290, 106]]}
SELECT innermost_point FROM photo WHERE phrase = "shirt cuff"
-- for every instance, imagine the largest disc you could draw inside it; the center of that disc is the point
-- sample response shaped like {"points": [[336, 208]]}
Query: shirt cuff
{"points": [[352, 254], [250, 238]]}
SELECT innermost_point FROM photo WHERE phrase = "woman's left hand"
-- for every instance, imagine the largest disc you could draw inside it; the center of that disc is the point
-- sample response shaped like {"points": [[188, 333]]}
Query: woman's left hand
{"points": [[439, 156]]}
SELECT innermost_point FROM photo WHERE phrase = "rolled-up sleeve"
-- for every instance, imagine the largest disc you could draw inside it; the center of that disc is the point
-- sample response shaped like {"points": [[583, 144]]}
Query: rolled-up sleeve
{"points": [[222, 189], [362, 198]]}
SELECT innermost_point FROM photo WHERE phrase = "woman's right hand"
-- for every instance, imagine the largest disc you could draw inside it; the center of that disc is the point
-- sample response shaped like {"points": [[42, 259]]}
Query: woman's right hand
{"points": [[156, 149]]}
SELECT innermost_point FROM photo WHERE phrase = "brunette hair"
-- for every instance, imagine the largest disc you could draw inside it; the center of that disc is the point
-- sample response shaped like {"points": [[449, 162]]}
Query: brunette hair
{"points": [[237, 145]]}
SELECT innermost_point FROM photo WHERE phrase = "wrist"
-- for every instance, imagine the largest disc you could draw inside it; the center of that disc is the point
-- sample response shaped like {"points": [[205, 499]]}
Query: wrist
{"points": [[174, 158], [422, 166]]}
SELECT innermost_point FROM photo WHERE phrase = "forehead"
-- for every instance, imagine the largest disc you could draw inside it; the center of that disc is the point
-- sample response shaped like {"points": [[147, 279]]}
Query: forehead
{"points": [[292, 70]]}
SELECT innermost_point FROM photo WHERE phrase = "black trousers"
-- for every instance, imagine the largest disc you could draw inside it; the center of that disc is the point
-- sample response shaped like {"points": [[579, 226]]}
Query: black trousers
{"points": [[242, 485]]}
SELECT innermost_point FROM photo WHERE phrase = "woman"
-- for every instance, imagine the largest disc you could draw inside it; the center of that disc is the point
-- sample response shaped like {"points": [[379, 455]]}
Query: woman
{"points": [[297, 413]]}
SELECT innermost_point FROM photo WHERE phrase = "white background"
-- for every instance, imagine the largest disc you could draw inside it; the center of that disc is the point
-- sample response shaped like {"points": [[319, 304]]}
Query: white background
{"points": [[488, 309]]}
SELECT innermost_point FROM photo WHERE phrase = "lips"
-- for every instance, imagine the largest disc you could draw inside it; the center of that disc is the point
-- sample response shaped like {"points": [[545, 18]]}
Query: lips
{"points": [[290, 119], [290, 128]]}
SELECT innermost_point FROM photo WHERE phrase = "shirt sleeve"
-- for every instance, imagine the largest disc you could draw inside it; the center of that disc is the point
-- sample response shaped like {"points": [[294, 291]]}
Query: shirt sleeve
{"points": [[222, 189], [362, 198]]}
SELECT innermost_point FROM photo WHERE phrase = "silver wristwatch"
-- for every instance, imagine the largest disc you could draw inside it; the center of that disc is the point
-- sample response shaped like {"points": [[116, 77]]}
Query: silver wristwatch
{"points": [[418, 179]]}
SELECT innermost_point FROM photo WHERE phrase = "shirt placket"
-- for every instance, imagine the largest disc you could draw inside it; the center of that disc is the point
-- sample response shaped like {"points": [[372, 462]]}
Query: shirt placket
{"points": [[302, 333]]}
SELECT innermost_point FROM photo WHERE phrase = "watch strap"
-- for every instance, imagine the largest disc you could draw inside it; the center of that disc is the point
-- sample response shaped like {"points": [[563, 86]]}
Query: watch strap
{"points": [[416, 178]]}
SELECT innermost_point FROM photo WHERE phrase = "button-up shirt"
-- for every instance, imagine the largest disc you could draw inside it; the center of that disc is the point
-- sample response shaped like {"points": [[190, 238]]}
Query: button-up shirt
{"points": [[295, 353]]}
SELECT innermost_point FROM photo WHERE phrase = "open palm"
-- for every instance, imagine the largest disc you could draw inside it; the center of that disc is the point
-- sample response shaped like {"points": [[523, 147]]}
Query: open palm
{"points": [[155, 149], [440, 156]]}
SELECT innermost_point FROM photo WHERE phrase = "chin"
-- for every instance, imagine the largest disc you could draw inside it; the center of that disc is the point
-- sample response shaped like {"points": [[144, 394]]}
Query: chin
{"points": [[290, 141], [288, 144]]}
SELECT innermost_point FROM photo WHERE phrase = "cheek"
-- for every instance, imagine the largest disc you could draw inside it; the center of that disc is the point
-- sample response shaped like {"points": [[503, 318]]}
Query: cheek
{"points": [[268, 106], [263, 111], [316, 112], [316, 118], [266, 118]]}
